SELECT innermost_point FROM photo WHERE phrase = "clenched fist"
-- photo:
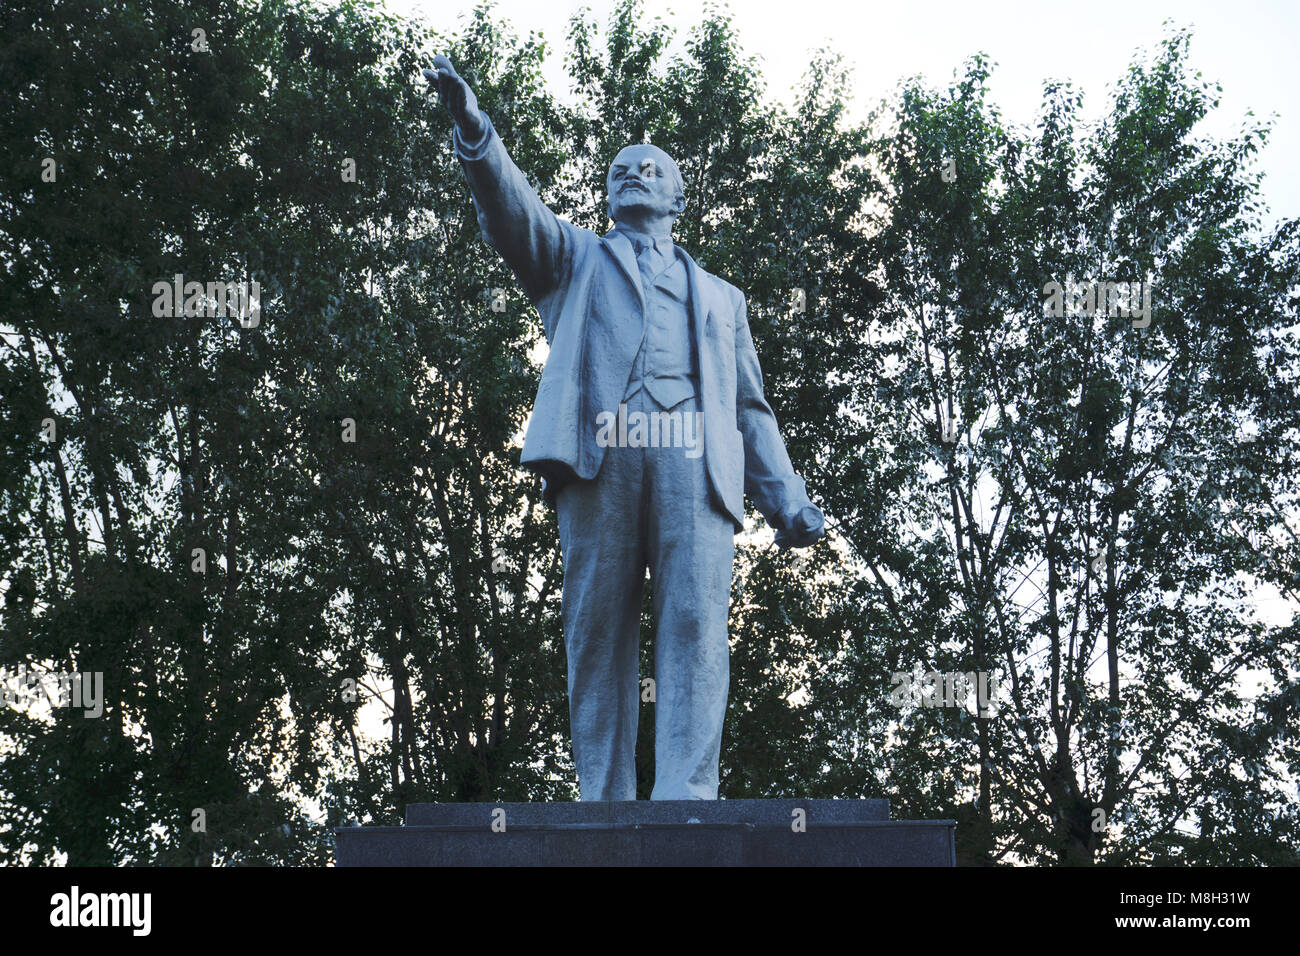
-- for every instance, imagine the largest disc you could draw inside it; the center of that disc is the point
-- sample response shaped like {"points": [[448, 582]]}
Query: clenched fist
{"points": [[802, 527]]}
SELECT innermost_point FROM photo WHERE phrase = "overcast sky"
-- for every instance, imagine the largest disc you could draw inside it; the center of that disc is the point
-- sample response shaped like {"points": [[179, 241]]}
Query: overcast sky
{"points": [[1251, 48]]}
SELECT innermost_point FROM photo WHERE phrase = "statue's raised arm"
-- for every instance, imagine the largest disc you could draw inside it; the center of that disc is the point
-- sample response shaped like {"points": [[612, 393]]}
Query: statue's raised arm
{"points": [[512, 217]]}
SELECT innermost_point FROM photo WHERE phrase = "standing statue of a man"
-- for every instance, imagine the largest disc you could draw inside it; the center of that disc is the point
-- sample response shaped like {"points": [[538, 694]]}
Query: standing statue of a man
{"points": [[639, 334]]}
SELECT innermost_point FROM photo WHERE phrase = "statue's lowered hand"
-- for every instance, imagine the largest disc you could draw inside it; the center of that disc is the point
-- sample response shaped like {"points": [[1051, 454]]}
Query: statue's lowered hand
{"points": [[803, 527], [456, 96]]}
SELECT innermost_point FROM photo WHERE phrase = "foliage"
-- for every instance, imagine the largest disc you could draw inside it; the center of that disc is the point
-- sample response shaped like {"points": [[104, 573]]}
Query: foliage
{"points": [[417, 564]]}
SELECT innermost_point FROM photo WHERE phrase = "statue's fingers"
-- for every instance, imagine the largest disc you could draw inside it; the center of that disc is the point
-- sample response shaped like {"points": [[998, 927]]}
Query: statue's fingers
{"points": [[443, 66]]}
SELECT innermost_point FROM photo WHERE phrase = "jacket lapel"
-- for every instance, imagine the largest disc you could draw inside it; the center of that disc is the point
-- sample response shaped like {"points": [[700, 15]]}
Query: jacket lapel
{"points": [[620, 247], [698, 313]]}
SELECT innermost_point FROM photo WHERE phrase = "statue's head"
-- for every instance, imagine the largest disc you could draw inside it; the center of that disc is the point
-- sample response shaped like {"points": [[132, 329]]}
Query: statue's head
{"points": [[644, 182]]}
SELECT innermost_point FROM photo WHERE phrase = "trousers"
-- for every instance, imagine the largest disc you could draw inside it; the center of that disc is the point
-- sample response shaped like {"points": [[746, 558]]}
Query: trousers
{"points": [[648, 508]]}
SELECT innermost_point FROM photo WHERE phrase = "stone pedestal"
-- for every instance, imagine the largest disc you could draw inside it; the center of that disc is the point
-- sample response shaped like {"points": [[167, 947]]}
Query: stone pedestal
{"points": [[651, 833]]}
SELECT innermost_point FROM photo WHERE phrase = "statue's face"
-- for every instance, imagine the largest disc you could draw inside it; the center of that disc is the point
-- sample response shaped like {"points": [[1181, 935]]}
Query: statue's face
{"points": [[644, 178]]}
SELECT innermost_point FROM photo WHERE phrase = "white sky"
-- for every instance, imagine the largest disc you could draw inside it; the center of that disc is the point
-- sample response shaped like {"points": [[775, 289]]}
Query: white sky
{"points": [[1250, 48]]}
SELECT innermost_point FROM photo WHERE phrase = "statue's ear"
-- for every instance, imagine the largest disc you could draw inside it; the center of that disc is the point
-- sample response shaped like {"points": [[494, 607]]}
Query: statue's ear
{"points": [[679, 204]]}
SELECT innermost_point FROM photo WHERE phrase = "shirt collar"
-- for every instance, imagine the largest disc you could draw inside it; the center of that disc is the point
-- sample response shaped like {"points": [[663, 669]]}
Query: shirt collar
{"points": [[663, 241]]}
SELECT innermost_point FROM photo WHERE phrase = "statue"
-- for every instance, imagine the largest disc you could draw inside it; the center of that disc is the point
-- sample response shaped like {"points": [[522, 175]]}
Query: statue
{"points": [[649, 427]]}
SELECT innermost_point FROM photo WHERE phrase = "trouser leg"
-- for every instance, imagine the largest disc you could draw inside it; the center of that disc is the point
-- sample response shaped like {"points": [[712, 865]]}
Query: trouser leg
{"points": [[600, 525], [690, 547]]}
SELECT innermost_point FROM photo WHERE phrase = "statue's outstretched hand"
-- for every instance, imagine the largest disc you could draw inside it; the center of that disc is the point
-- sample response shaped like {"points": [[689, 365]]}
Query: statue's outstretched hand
{"points": [[457, 97], [803, 527]]}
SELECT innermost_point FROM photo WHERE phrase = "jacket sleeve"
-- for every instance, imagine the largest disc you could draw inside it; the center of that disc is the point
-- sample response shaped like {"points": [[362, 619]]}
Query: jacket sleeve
{"points": [[770, 480], [512, 217]]}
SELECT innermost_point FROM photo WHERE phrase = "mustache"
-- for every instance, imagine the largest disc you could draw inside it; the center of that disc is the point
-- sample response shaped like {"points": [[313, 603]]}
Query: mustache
{"points": [[633, 184]]}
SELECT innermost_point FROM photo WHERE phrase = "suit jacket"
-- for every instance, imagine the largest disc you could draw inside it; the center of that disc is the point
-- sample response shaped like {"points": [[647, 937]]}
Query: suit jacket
{"points": [[587, 289]]}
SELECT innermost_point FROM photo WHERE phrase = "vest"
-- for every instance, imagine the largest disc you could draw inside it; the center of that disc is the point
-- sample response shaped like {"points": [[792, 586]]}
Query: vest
{"points": [[666, 365]]}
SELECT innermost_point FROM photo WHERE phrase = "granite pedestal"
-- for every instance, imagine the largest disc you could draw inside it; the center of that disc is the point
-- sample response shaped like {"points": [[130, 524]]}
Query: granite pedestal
{"points": [[651, 833]]}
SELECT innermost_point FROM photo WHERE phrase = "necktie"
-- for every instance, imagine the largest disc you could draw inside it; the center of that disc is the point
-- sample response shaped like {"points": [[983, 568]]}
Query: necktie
{"points": [[646, 260]]}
